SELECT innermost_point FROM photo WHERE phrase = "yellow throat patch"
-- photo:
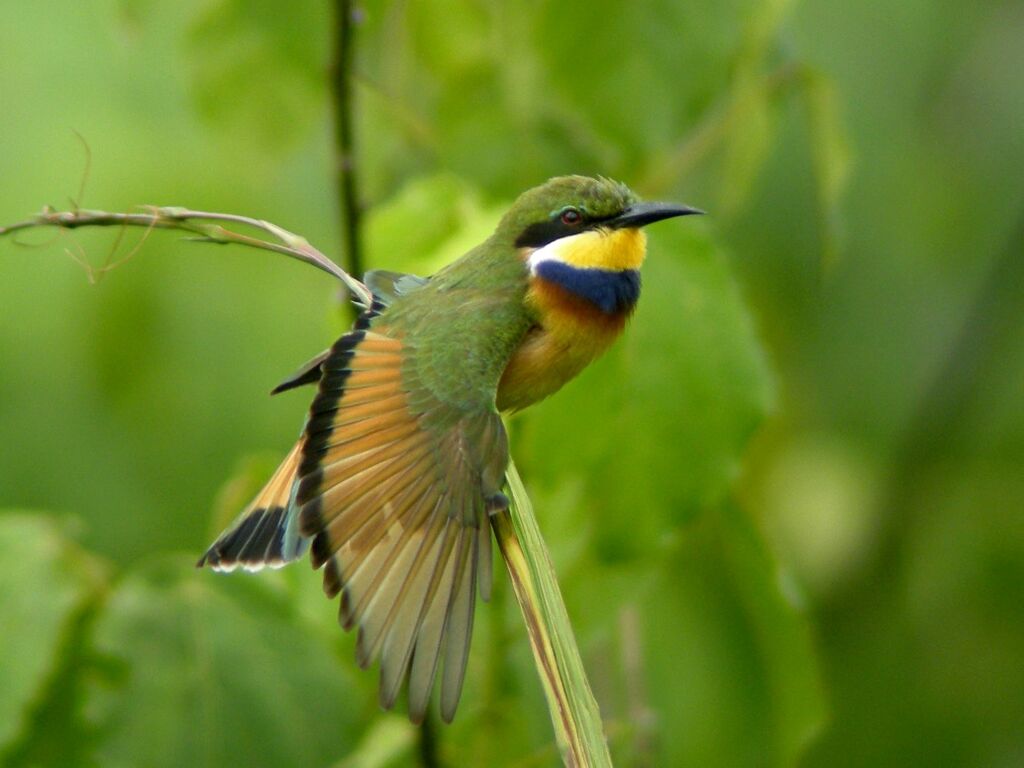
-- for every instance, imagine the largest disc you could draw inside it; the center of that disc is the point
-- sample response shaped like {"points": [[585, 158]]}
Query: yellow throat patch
{"points": [[617, 249]]}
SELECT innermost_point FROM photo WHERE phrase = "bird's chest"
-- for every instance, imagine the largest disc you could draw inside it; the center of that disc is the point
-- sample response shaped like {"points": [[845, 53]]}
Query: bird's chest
{"points": [[571, 332]]}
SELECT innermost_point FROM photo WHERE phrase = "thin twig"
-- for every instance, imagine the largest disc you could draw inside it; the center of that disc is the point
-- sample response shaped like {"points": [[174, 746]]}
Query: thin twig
{"points": [[344, 139], [86, 170], [427, 743], [204, 227]]}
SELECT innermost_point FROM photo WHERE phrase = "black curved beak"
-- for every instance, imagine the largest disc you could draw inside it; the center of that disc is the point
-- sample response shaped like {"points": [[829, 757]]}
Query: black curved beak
{"points": [[641, 214]]}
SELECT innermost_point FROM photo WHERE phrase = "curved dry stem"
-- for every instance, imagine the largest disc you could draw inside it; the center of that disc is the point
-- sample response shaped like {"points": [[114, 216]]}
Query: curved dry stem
{"points": [[204, 226]]}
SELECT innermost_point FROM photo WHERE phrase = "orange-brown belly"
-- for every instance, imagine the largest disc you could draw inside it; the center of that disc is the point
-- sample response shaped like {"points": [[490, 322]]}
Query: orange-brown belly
{"points": [[571, 334]]}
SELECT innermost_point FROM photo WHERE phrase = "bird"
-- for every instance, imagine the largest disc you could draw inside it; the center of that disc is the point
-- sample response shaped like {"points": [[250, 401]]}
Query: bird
{"points": [[403, 454]]}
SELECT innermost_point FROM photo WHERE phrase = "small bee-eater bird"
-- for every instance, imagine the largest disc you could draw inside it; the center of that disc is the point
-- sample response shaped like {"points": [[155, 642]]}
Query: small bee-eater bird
{"points": [[403, 454]]}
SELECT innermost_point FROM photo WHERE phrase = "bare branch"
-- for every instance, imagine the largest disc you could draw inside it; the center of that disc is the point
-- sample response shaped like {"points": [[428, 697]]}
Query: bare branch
{"points": [[205, 227]]}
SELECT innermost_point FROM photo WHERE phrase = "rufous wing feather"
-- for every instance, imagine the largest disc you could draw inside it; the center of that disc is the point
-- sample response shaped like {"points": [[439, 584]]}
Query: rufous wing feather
{"points": [[393, 490]]}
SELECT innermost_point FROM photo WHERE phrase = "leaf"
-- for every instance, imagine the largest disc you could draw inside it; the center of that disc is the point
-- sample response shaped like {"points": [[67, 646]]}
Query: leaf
{"points": [[44, 578], [218, 671], [654, 432], [403, 232], [463, 95], [429, 222], [575, 716]]}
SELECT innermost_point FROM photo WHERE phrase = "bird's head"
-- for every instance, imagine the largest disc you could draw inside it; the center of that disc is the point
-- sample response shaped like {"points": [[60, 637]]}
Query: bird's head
{"points": [[584, 235]]}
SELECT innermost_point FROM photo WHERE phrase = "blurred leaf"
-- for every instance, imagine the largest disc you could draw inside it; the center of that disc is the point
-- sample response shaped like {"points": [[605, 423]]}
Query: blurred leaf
{"points": [[428, 223], [463, 94], [218, 672], [820, 503], [43, 579], [442, 91], [253, 74], [761, 29], [403, 231], [686, 387]]}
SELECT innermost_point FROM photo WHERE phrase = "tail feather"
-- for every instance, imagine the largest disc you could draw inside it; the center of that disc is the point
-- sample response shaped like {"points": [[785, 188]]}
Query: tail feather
{"points": [[267, 532]]}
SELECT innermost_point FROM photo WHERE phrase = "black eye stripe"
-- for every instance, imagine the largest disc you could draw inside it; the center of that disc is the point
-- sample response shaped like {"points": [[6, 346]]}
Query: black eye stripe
{"points": [[540, 233]]}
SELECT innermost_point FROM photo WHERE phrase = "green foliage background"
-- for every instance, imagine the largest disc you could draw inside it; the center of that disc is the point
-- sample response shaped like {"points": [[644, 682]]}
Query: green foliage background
{"points": [[786, 509]]}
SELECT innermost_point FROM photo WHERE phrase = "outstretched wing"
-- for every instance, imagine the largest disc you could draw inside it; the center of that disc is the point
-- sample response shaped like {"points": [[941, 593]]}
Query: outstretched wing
{"points": [[394, 490]]}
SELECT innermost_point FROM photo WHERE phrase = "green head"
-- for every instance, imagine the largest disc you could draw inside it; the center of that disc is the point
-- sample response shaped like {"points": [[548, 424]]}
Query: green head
{"points": [[567, 206], [583, 236]]}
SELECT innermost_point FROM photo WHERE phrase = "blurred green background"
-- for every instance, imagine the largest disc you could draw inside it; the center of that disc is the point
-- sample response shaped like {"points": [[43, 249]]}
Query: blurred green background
{"points": [[787, 508]]}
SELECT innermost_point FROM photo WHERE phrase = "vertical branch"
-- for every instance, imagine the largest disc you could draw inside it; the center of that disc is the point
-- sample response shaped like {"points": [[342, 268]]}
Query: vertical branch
{"points": [[427, 744], [344, 140], [347, 190]]}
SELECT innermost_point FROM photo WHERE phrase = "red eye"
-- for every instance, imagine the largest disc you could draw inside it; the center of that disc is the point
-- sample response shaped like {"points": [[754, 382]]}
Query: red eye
{"points": [[571, 216]]}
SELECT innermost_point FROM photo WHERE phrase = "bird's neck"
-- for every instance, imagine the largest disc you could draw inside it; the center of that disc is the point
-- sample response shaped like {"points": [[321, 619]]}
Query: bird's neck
{"points": [[601, 267], [570, 331]]}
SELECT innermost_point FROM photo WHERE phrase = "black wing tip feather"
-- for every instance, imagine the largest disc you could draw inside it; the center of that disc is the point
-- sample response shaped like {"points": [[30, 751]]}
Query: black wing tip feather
{"points": [[345, 616], [332, 578], [309, 378], [311, 522], [313, 371], [320, 551], [309, 373], [257, 540]]}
